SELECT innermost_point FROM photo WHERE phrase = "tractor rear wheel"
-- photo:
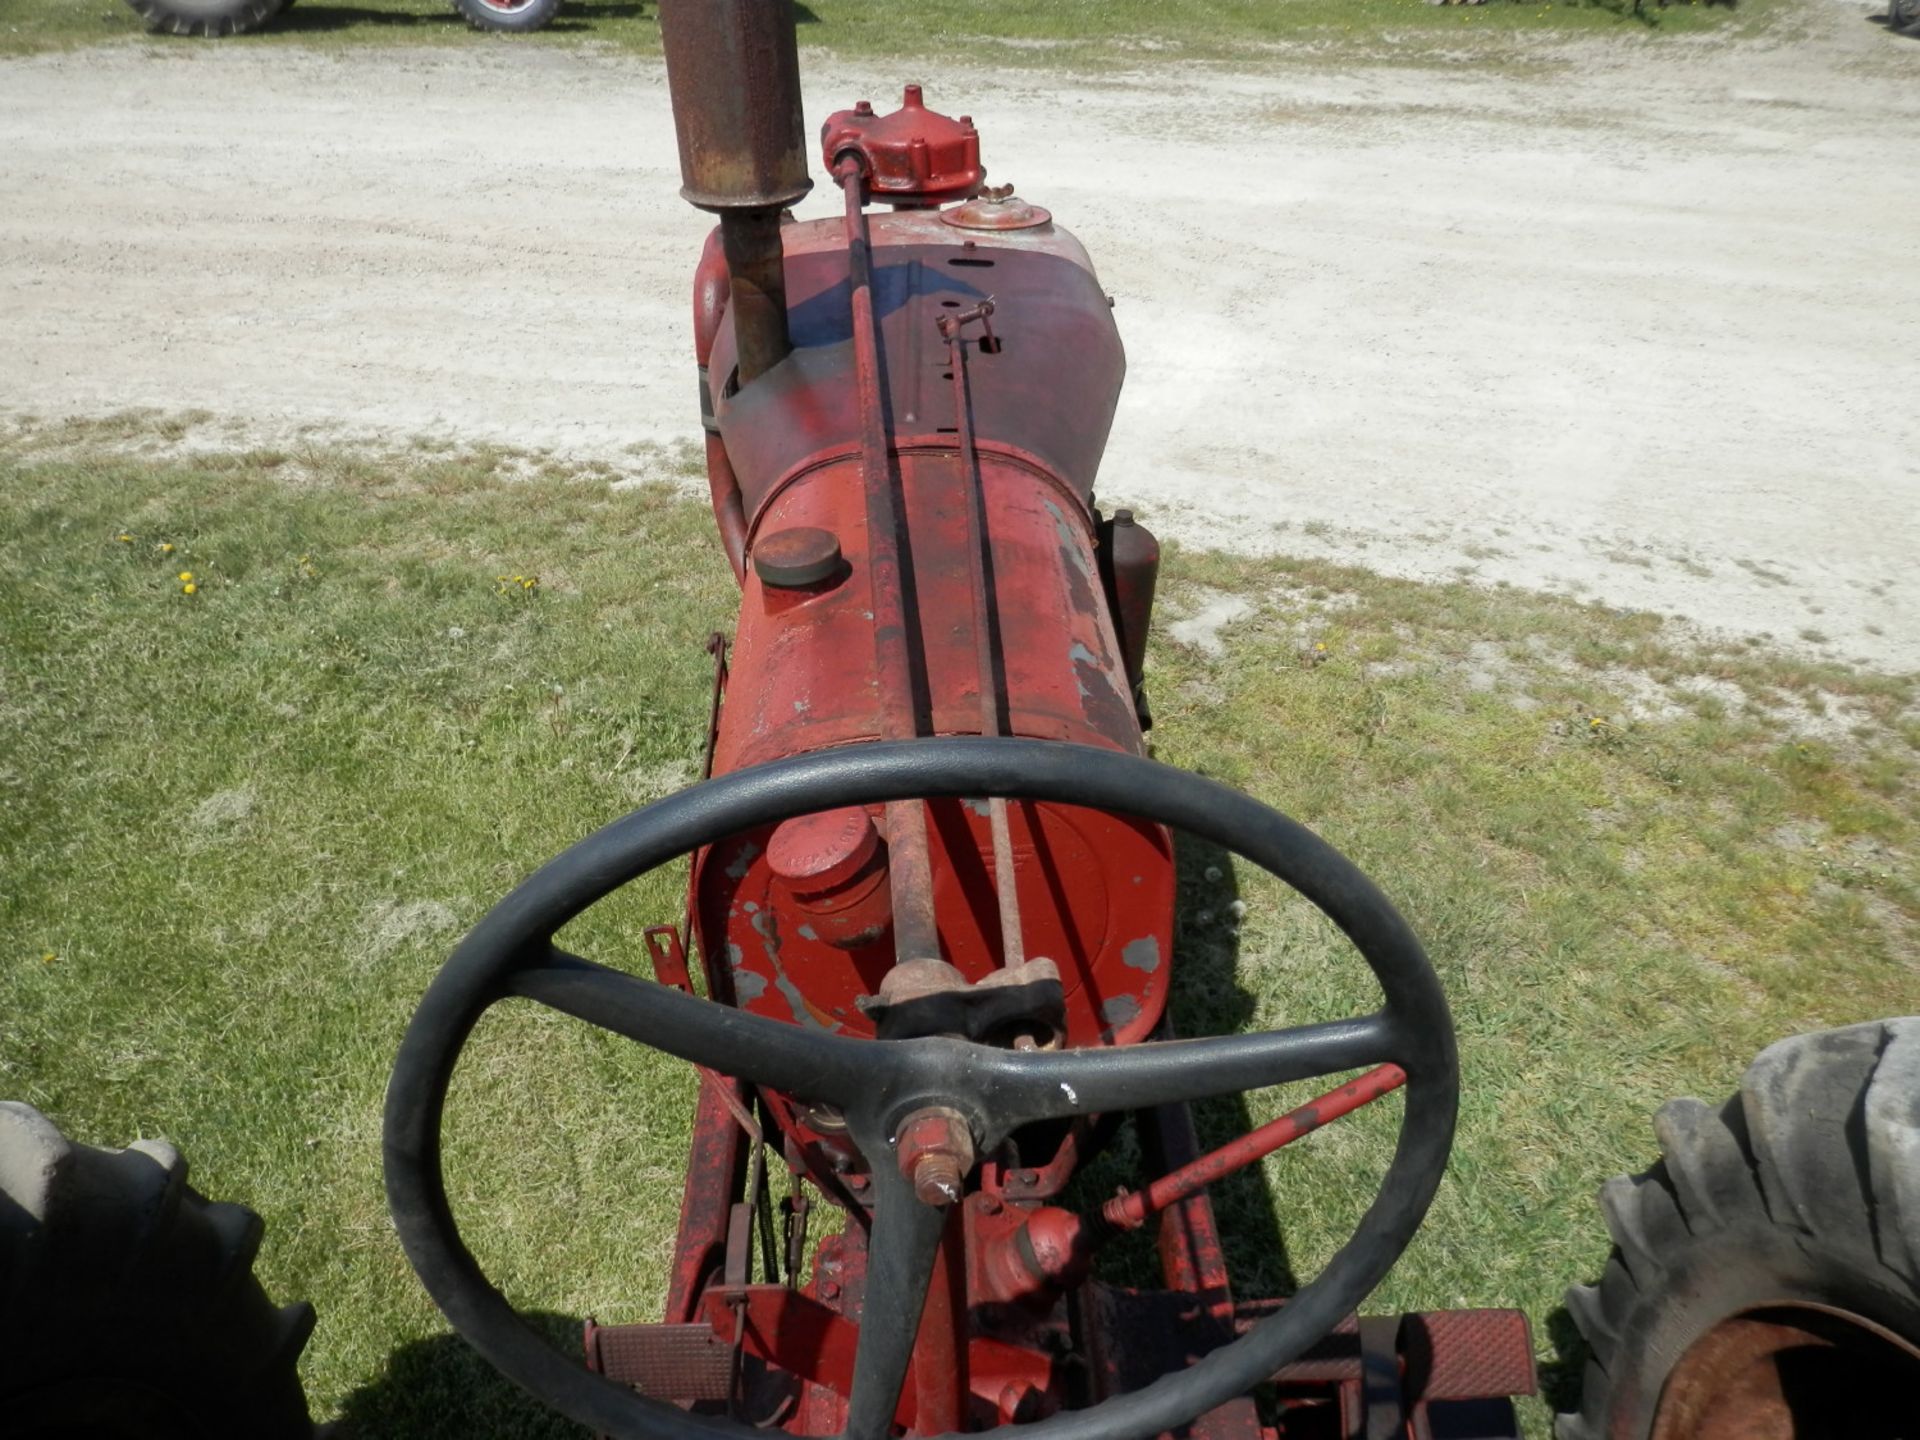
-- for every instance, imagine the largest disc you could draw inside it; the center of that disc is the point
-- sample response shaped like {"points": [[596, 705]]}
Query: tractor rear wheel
{"points": [[1765, 1276], [206, 17], [128, 1306], [513, 16]]}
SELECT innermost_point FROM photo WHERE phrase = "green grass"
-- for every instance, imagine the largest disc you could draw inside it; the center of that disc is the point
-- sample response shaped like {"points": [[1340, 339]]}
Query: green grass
{"points": [[1622, 909], [993, 32], [245, 825]]}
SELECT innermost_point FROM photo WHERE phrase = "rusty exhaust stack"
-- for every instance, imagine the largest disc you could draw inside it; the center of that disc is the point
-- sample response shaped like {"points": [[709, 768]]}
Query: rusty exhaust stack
{"points": [[733, 67]]}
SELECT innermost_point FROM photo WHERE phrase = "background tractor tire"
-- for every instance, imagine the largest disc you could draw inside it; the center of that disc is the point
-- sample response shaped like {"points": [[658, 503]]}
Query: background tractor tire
{"points": [[128, 1305], [1902, 14], [1765, 1276], [513, 16], [206, 17]]}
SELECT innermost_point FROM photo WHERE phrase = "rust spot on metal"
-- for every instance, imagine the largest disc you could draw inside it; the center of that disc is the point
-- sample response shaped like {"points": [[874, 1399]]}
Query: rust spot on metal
{"points": [[1782, 1369]]}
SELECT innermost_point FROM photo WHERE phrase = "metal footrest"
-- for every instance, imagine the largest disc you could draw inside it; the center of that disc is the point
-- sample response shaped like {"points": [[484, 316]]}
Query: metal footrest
{"points": [[682, 1363], [1440, 1375], [1442, 1354]]}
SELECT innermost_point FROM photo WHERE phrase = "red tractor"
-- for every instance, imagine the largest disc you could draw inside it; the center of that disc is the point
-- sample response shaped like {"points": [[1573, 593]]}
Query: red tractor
{"points": [[215, 18], [928, 949]]}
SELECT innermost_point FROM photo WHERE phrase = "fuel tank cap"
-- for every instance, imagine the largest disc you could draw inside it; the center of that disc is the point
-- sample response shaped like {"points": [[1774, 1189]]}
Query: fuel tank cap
{"points": [[797, 557]]}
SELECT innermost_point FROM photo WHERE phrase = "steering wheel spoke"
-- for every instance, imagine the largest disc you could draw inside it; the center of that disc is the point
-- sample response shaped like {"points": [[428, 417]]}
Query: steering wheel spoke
{"points": [[1055, 1086], [900, 1255], [720, 1037]]}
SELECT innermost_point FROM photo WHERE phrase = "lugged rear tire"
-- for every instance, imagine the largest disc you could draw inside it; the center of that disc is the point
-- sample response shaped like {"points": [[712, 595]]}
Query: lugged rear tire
{"points": [[1765, 1276], [212, 18], [128, 1305]]}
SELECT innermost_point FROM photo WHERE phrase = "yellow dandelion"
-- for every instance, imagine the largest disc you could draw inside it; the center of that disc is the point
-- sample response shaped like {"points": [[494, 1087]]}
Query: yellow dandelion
{"points": [[186, 575], [1321, 646], [166, 547], [124, 538], [189, 588], [48, 957]]}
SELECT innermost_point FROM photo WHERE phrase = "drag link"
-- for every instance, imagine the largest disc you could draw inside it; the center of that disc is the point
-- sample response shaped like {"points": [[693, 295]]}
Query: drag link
{"points": [[1133, 1209]]}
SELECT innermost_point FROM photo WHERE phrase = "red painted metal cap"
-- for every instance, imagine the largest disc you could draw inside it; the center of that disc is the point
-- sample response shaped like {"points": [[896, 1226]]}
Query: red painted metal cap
{"points": [[817, 852], [915, 156]]}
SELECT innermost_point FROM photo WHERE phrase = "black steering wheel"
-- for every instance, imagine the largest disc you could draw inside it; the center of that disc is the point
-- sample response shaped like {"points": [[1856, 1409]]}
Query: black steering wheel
{"points": [[876, 1083]]}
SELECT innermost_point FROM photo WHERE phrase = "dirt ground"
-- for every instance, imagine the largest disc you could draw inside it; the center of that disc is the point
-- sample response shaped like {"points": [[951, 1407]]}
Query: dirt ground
{"points": [[1633, 318]]}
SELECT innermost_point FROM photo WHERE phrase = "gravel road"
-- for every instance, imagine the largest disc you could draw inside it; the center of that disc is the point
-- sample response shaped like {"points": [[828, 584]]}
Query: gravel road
{"points": [[1637, 320]]}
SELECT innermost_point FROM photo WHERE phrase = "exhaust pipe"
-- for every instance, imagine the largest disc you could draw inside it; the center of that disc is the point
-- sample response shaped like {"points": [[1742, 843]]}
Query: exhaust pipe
{"points": [[733, 67]]}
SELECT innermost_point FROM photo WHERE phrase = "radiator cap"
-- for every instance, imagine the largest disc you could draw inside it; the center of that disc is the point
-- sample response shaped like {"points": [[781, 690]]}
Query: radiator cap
{"points": [[997, 208]]}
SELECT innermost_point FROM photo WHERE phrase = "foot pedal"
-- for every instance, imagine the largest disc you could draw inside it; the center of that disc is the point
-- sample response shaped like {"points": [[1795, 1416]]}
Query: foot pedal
{"points": [[682, 1363]]}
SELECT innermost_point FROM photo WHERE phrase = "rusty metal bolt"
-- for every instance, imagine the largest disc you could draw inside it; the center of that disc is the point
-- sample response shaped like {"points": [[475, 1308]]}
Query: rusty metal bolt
{"points": [[937, 1178], [936, 1152]]}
